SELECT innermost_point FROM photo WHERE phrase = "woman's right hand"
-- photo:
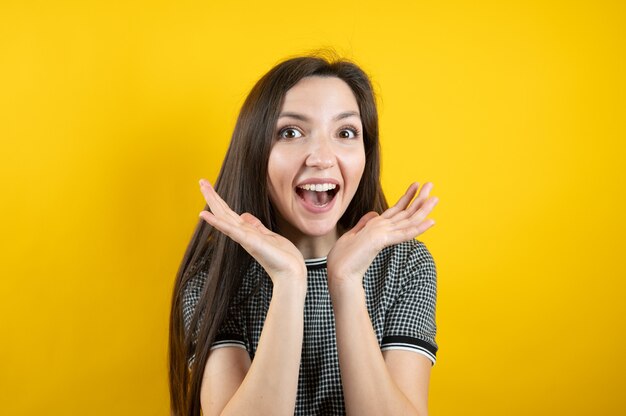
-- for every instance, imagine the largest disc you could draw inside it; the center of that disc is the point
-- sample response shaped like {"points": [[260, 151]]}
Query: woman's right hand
{"points": [[282, 261]]}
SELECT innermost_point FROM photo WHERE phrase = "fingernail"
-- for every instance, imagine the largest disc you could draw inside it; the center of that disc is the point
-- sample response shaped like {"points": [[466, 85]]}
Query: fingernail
{"points": [[202, 182]]}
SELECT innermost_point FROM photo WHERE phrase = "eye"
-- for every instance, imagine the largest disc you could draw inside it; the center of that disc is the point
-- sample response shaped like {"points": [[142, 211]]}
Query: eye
{"points": [[348, 132], [289, 133]]}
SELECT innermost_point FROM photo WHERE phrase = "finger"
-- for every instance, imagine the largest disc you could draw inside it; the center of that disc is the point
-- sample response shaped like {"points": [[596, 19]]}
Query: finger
{"points": [[412, 232], [422, 227], [211, 197], [415, 205], [224, 225], [419, 215], [209, 192], [400, 235], [218, 206], [421, 197], [403, 202], [247, 236]]}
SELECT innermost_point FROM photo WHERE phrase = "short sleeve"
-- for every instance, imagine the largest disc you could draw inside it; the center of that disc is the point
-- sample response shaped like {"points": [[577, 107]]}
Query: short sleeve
{"points": [[191, 297], [231, 332], [410, 321]]}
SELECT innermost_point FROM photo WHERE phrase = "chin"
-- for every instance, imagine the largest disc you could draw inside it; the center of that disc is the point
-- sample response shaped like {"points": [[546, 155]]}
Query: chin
{"points": [[318, 230]]}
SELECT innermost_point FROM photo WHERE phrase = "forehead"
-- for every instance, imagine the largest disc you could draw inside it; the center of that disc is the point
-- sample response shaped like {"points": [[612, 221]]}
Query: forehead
{"points": [[320, 95]]}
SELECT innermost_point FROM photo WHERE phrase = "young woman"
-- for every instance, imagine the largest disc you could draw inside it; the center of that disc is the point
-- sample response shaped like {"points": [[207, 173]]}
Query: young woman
{"points": [[301, 291]]}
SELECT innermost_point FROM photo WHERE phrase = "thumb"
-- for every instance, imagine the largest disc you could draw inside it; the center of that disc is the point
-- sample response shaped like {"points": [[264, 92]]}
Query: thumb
{"points": [[363, 221], [253, 221]]}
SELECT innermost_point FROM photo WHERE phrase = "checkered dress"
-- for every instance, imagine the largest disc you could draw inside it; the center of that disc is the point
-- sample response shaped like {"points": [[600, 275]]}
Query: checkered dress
{"points": [[400, 288]]}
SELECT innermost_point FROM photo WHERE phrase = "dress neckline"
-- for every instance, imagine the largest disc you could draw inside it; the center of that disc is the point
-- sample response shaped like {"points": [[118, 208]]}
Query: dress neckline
{"points": [[317, 263]]}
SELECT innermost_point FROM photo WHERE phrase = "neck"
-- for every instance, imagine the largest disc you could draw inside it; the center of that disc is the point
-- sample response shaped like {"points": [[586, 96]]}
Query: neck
{"points": [[315, 247], [310, 246]]}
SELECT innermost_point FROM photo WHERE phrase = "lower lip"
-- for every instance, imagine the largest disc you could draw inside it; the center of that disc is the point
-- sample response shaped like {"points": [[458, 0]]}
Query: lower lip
{"points": [[316, 209]]}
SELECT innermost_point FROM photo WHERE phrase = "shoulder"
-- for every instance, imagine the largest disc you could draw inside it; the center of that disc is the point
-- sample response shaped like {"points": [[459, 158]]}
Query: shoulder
{"points": [[412, 250], [191, 295], [411, 290], [194, 287], [195, 283], [418, 261], [408, 260]]}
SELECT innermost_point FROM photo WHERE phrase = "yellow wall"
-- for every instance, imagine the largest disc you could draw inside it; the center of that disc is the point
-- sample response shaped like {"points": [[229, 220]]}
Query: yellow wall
{"points": [[110, 112]]}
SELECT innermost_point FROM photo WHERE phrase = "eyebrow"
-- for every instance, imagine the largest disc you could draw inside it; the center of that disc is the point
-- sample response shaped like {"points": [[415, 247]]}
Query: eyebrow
{"points": [[302, 117]]}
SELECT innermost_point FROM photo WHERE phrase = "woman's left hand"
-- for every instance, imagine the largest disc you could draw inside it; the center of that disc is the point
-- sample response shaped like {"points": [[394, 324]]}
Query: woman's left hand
{"points": [[354, 251]]}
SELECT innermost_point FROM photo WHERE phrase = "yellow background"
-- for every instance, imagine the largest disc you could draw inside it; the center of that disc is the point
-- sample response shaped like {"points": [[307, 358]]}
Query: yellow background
{"points": [[110, 112]]}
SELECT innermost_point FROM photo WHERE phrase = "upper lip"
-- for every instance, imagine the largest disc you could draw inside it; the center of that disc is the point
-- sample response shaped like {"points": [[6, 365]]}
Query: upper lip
{"points": [[316, 181]]}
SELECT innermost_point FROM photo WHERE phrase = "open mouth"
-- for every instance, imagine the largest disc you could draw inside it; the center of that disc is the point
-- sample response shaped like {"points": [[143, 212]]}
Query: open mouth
{"points": [[318, 195]]}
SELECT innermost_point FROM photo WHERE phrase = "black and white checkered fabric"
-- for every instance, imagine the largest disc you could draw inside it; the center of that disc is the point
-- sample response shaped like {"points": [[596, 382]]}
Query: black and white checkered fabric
{"points": [[401, 290]]}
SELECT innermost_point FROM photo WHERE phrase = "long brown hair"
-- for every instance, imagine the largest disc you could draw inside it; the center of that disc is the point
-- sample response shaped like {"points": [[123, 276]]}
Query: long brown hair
{"points": [[242, 183]]}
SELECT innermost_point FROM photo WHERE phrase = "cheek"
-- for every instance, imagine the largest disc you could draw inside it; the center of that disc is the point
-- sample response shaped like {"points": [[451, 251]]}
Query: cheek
{"points": [[273, 192], [272, 181], [278, 172], [354, 166]]}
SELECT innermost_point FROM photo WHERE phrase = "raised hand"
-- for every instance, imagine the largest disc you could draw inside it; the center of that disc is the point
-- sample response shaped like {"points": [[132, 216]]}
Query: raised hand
{"points": [[279, 257], [354, 251]]}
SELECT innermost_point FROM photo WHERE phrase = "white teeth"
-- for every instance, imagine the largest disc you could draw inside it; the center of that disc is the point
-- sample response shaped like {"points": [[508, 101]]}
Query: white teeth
{"points": [[320, 187]]}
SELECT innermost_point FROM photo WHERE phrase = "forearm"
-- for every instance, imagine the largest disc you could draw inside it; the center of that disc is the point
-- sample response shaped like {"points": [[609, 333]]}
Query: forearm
{"points": [[367, 385], [271, 383]]}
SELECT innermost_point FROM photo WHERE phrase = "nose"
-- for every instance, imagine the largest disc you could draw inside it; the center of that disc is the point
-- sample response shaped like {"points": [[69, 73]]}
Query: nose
{"points": [[321, 154]]}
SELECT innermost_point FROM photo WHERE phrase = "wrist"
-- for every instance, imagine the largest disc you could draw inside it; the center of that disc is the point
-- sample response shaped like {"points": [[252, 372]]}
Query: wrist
{"points": [[290, 288], [346, 289]]}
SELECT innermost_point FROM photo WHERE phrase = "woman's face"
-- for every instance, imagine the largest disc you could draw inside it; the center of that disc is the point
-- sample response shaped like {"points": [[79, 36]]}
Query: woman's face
{"points": [[317, 158]]}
